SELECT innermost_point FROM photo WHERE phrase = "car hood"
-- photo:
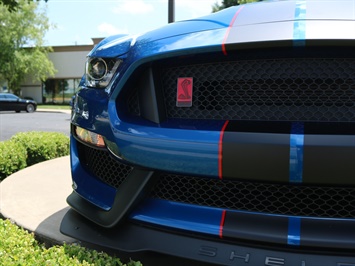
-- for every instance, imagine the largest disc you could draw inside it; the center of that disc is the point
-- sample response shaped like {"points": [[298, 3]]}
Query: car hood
{"points": [[256, 22]]}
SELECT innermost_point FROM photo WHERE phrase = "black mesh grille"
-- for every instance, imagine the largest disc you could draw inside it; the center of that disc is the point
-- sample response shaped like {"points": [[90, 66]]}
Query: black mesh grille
{"points": [[283, 199], [103, 166], [335, 202], [133, 103], [285, 89]]}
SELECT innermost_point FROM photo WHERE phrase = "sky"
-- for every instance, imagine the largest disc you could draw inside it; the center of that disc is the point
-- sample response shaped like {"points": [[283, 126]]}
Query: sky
{"points": [[75, 22]]}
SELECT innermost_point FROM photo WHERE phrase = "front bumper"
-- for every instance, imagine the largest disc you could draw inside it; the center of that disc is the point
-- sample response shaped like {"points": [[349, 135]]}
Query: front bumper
{"points": [[136, 238], [285, 213], [294, 182]]}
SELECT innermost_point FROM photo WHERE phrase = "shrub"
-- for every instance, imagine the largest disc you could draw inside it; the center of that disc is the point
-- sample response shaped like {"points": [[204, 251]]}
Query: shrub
{"points": [[12, 158], [19, 247], [26, 149], [42, 146]]}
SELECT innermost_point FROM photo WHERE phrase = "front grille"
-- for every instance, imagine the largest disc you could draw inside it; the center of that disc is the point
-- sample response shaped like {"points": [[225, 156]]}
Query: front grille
{"points": [[100, 164], [281, 89], [315, 201], [281, 199]]}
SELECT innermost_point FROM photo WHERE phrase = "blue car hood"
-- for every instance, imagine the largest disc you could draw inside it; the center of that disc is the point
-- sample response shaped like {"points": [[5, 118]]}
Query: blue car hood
{"points": [[248, 23], [117, 45]]}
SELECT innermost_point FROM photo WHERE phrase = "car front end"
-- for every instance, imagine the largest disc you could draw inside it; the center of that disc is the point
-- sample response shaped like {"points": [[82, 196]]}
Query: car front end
{"points": [[228, 139]]}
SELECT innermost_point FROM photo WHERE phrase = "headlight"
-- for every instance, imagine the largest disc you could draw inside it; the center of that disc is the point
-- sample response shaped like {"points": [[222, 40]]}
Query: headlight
{"points": [[99, 71]]}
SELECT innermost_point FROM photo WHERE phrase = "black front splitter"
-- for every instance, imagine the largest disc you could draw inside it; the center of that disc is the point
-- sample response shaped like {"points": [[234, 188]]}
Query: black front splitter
{"points": [[134, 238]]}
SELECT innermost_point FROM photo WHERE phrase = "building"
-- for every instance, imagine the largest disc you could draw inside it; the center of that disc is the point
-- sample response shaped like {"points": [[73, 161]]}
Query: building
{"points": [[69, 61]]}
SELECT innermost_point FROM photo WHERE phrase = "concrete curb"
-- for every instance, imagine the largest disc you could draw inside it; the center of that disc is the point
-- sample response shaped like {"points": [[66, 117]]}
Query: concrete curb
{"points": [[53, 110], [35, 199]]}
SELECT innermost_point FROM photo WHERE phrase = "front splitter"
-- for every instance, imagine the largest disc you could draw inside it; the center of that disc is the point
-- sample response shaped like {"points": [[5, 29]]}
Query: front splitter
{"points": [[133, 238]]}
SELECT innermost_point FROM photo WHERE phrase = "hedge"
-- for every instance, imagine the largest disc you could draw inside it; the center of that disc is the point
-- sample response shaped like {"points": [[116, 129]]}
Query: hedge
{"points": [[12, 158], [19, 247], [28, 148]]}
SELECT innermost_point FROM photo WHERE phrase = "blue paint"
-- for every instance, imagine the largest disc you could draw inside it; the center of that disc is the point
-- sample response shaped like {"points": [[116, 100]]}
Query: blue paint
{"points": [[179, 216], [294, 231], [88, 186], [176, 145], [299, 26], [296, 152]]}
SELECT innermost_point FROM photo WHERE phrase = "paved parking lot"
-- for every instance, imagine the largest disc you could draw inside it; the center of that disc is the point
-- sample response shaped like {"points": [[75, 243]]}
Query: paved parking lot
{"points": [[12, 123]]}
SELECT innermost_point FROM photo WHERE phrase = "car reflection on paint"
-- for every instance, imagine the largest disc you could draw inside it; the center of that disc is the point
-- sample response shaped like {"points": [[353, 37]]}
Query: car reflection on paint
{"points": [[11, 102]]}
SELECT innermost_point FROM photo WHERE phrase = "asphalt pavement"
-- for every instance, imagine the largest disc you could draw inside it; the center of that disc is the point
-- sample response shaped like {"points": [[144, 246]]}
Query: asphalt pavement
{"points": [[42, 120]]}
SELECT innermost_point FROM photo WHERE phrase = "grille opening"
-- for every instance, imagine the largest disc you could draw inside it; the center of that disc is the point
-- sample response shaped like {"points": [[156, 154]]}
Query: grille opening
{"points": [[289, 89], [103, 166], [273, 198], [282, 199], [309, 85]]}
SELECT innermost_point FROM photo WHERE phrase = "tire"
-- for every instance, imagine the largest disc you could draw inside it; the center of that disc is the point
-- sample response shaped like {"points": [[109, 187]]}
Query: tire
{"points": [[30, 108]]}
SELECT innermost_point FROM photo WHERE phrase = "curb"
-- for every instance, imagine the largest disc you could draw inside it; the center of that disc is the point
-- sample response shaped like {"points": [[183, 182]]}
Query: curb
{"points": [[35, 199], [53, 111]]}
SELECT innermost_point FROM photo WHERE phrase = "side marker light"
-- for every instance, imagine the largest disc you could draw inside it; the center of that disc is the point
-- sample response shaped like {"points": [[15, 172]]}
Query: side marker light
{"points": [[90, 137]]}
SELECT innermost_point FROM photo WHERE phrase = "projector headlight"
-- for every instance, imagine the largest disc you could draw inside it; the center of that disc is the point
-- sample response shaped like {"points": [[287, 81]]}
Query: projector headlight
{"points": [[100, 71]]}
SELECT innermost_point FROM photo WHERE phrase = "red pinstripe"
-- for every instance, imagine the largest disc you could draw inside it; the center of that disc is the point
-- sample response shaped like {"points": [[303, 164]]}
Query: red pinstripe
{"points": [[220, 150], [222, 224], [228, 30]]}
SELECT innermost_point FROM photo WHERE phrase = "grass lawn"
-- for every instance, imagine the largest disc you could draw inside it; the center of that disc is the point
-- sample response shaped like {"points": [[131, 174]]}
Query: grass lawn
{"points": [[53, 106]]}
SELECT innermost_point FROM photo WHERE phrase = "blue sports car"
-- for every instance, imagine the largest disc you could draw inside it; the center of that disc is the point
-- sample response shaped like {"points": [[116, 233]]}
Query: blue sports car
{"points": [[227, 139]]}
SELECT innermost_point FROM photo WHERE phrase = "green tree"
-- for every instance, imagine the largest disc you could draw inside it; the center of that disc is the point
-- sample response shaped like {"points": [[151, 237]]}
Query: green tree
{"points": [[22, 51], [55, 87], [228, 3], [12, 5]]}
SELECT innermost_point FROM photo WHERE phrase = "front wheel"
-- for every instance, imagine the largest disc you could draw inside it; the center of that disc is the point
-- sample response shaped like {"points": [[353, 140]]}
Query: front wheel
{"points": [[30, 108]]}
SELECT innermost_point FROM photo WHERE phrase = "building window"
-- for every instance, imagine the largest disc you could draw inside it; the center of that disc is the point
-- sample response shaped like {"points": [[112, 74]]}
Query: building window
{"points": [[59, 91]]}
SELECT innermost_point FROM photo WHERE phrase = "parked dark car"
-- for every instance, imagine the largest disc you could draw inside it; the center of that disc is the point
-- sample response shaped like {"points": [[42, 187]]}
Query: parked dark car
{"points": [[227, 139], [11, 102]]}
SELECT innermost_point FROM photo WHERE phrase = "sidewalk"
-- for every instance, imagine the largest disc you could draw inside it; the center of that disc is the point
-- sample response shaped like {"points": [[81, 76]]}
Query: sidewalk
{"points": [[67, 111], [35, 198]]}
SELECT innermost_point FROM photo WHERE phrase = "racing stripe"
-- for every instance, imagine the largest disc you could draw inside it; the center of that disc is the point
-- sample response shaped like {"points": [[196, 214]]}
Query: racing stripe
{"points": [[299, 26], [329, 153], [294, 231], [256, 227], [296, 152], [229, 28], [307, 153], [327, 233], [256, 151], [289, 230]]}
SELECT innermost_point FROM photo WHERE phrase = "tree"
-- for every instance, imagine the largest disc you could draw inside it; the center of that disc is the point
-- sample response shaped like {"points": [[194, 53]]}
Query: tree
{"points": [[228, 3], [22, 50], [11, 5], [55, 87]]}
